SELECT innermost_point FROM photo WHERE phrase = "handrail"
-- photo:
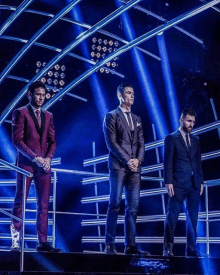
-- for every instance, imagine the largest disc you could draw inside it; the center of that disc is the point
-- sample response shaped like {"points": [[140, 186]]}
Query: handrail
{"points": [[16, 168]]}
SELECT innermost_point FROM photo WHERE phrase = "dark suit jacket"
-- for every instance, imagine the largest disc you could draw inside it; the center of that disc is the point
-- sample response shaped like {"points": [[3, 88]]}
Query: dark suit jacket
{"points": [[179, 165], [119, 141], [29, 140]]}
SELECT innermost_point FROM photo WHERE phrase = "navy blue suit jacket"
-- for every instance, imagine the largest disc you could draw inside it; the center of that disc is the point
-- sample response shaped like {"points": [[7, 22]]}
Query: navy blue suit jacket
{"points": [[122, 147], [179, 165]]}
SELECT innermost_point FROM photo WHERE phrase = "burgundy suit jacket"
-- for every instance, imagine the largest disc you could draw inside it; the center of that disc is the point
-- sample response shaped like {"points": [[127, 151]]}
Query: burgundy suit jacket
{"points": [[29, 139]]}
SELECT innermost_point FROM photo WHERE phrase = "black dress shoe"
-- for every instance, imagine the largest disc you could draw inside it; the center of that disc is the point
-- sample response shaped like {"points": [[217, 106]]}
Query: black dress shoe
{"points": [[194, 253], [168, 252], [133, 250], [110, 249], [46, 247]]}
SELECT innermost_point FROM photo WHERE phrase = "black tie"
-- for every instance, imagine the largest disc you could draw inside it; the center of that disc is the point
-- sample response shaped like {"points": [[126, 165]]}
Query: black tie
{"points": [[187, 142], [129, 120]]}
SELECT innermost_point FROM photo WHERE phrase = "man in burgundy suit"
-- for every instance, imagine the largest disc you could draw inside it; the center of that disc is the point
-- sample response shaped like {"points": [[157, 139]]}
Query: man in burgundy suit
{"points": [[33, 136]]}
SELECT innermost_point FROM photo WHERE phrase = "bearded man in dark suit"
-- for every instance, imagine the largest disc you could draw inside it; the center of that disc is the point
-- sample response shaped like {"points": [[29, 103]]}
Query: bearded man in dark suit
{"points": [[124, 139], [183, 177], [33, 136]]}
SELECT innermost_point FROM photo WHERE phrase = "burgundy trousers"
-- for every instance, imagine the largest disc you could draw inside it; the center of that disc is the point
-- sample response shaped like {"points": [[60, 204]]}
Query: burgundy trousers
{"points": [[42, 183]]}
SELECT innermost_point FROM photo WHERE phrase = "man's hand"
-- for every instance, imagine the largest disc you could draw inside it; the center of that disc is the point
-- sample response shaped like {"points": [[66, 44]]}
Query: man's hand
{"points": [[170, 190], [39, 161], [47, 162], [133, 164], [201, 189]]}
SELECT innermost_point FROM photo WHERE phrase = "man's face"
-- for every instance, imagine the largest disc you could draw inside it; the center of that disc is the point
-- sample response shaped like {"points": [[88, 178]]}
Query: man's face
{"points": [[38, 97], [128, 96], [187, 123]]}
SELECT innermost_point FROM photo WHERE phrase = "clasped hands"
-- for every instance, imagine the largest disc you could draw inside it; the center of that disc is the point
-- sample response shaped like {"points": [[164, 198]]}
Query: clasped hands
{"points": [[133, 164], [44, 163]]}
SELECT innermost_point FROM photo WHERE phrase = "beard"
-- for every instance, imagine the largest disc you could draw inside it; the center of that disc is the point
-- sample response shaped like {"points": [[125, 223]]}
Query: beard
{"points": [[187, 129]]}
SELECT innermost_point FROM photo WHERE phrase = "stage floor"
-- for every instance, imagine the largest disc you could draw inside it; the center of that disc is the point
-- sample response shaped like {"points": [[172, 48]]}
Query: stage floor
{"points": [[98, 263]]}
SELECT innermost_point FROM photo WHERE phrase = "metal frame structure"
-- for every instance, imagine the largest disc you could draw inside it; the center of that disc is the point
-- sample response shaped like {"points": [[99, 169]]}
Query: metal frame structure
{"points": [[207, 216]]}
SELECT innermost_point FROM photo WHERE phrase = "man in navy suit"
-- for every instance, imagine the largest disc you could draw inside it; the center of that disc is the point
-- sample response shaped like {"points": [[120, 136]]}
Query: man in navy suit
{"points": [[183, 178], [124, 139]]}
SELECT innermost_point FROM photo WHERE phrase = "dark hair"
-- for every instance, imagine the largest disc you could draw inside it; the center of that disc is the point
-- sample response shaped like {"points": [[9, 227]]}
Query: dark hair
{"points": [[35, 85], [186, 112], [122, 86]]}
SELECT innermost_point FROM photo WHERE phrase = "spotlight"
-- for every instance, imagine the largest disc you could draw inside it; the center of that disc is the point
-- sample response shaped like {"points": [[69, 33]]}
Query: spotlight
{"points": [[100, 41], [116, 44], [43, 79], [92, 54], [94, 40], [105, 42], [93, 47], [37, 71], [63, 68], [115, 49], [50, 73], [108, 64], [114, 64], [56, 74], [99, 48], [61, 82], [44, 64], [102, 70], [55, 82], [38, 64], [49, 81], [110, 42], [104, 49], [116, 58], [62, 75], [106, 71], [48, 95], [103, 55], [56, 67], [109, 50], [98, 55]]}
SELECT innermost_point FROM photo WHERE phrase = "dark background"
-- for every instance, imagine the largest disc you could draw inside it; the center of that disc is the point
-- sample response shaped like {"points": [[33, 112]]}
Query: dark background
{"points": [[194, 68]]}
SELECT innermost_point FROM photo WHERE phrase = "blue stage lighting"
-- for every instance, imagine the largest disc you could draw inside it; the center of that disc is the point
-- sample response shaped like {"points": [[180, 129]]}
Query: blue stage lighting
{"points": [[7, 150], [152, 103], [95, 84], [168, 81]]}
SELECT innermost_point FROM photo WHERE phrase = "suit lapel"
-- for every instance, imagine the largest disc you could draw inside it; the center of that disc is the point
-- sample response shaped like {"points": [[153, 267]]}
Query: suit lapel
{"points": [[31, 112], [120, 113], [42, 121], [135, 127]]}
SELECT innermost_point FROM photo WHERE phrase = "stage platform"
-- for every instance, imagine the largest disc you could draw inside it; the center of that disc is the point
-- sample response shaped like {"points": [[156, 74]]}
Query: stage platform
{"points": [[99, 263]]}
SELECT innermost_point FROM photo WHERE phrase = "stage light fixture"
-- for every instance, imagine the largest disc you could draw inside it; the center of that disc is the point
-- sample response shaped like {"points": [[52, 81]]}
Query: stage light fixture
{"points": [[104, 49], [55, 82], [56, 74], [63, 68], [57, 67], [48, 95], [61, 82], [106, 71], [98, 55], [37, 71], [50, 73], [43, 79], [100, 41], [108, 64], [103, 55], [44, 64], [92, 54], [93, 47], [102, 70], [99, 48], [116, 44], [38, 64], [94, 40], [109, 50], [62, 75], [49, 81], [105, 42], [114, 64], [110, 43]]}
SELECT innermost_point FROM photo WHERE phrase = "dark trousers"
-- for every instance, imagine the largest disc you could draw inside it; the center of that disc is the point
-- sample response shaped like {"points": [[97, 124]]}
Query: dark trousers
{"points": [[131, 183], [191, 195], [42, 187]]}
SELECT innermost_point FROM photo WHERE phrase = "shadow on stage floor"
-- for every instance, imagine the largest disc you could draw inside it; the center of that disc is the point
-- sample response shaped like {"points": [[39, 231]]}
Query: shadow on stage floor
{"points": [[92, 263]]}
